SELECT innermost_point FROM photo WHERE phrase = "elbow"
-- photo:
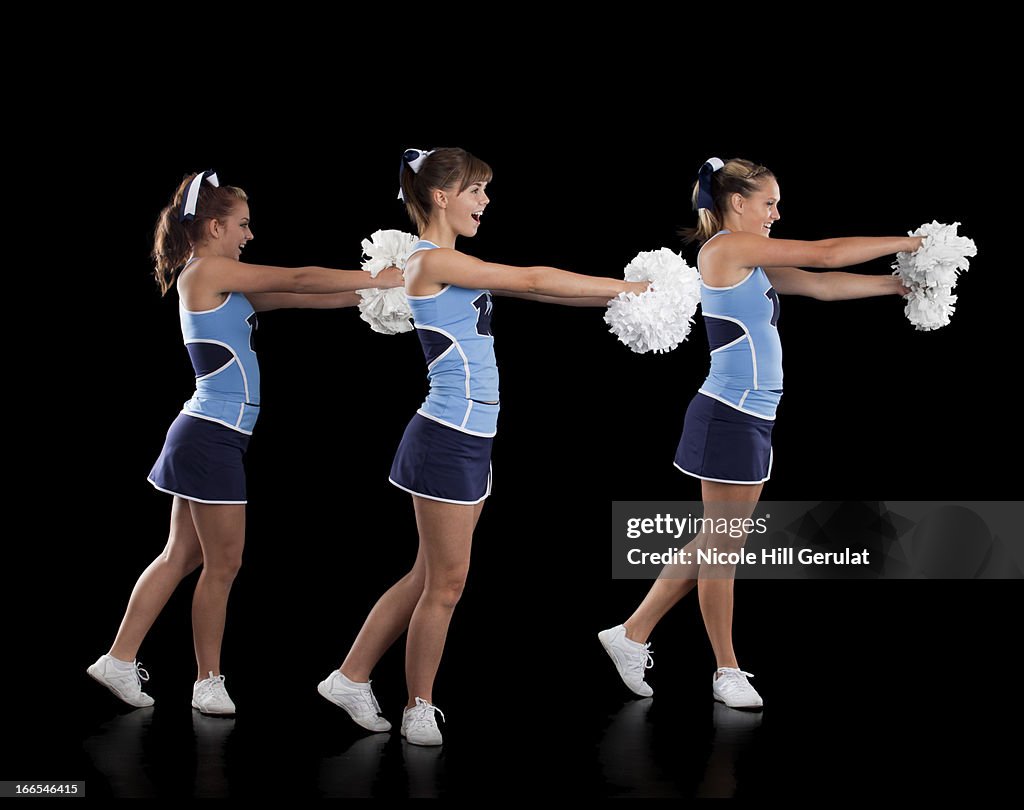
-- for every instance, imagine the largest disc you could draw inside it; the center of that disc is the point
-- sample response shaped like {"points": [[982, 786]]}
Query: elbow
{"points": [[825, 288], [533, 280], [303, 280], [830, 258]]}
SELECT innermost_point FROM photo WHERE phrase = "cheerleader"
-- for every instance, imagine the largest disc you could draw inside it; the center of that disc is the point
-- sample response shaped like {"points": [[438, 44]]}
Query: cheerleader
{"points": [[726, 440], [444, 457], [198, 245]]}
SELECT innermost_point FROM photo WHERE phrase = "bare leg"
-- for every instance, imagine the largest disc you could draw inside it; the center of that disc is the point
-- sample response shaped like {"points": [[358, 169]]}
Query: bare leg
{"points": [[385, 623], [446, 536], [181, 556], [716, 592], [221, 530], [388, 619], [664, 593]]}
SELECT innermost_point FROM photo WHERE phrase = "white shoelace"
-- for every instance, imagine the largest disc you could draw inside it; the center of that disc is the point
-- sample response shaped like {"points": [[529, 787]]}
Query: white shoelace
{"points": [[215, 683], [642, 659], [420, 714], [733, 672], [140, 673], [370, 698]]}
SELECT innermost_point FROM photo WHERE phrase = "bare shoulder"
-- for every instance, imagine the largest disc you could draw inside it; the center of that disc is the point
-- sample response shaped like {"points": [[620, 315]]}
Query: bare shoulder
{"points": [[434, 258], [205, 266], [728, 243], [203, 271], [198, 283], [710, 247], [424, 272], [718, 264]]}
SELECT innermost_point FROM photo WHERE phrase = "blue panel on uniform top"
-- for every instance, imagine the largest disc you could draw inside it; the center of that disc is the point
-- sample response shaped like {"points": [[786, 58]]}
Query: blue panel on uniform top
{"points": [[208, 357], [722, 332], [434, 344]]}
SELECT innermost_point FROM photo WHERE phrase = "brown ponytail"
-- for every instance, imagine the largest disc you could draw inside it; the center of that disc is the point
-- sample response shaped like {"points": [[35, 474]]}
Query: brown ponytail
{"points": [[737, 176], [442, 168], [174, 240]]}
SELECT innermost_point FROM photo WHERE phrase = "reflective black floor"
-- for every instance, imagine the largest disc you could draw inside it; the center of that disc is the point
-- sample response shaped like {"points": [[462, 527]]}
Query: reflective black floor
{"points": [[624, 748], [849, 715], [149, 753]]}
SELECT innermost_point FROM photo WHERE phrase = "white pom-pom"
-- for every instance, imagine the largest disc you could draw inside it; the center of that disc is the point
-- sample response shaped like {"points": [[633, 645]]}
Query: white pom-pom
{"points": [[931, 272], [387, 311], [386, 249], [930, 308], [660, 319]]}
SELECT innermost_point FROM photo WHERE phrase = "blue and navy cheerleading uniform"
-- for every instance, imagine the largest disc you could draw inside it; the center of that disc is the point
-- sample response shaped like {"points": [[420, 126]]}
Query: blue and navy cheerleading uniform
{"points": [[728, 426], [445, 453], [201, 458]]}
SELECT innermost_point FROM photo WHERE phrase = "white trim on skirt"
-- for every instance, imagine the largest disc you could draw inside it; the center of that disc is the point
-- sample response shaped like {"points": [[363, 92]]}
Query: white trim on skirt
{"points": [[189, 497], [771, 458], [448, 500]]}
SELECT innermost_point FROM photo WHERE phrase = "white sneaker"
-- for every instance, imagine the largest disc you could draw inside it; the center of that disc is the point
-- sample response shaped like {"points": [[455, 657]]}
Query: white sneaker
{"points": [[125, 683], [211, 697], [355, 698], [731, 687], [631, 658], [418, 724]]}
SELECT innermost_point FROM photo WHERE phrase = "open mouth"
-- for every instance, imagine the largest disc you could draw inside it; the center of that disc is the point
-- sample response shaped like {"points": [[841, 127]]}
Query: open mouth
{"points": [[476, 216]]}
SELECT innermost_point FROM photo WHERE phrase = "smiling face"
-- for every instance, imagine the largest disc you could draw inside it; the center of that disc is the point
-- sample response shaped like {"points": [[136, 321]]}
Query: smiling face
{"points": [[231, 234], [758, 212], [465, 209]]}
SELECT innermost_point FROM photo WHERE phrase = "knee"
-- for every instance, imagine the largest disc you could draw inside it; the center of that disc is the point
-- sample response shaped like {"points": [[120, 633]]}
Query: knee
{"points": [[446, 590], [224, 567], [182, 562], [725, 541]]}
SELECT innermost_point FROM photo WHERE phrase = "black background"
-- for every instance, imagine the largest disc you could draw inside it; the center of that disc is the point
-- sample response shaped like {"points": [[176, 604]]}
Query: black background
{"points": [[874, 684]]}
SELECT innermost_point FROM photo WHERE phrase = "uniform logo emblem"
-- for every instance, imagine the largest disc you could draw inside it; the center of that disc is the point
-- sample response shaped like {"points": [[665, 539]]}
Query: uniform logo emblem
{"points": [[483, 306], [773, 296], [254, 323]]}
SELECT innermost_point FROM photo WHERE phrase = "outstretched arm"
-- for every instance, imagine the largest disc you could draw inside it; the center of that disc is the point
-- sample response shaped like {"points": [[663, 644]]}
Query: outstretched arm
{"points": [[749, 250], [219, 274], [269, 287], [832, 286], [446, 266], [262, 302], [592, 301]]}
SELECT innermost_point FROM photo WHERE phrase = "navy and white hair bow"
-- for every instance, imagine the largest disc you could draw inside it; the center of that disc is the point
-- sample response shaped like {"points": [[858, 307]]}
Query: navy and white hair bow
{"points": [[415, 158], [191, 198], [704, 198]]}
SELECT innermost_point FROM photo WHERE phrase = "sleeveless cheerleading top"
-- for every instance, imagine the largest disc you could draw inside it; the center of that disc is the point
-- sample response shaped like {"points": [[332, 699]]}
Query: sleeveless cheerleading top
{"points": [[220, 344], [454, 328], [746, 353]]}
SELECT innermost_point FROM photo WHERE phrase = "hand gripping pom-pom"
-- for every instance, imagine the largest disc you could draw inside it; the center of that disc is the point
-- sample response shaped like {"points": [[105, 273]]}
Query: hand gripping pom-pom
{"points": [[931, 273], [387, 311], [660, 319]]}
